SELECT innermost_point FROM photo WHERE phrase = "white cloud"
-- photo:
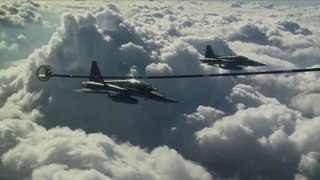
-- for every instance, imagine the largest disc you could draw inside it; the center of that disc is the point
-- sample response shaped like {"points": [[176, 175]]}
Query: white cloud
{"points": [[306, 135], [182, 57], [235, 127], [17, 106], [22, 38], [267, 5], [250, 33], [63, 153], [3, 35], [204, 114], [235, 5], [254, 135], [134, 55], [109, 20], [19, 14], [309, 165], [158, 69], [294, 28], [286, 87], [14, 88], [56, 171], [6, 47], [307, 103]]}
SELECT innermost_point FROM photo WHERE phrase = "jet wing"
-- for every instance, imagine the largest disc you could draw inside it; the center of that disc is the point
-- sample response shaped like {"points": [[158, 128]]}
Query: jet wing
{"points": [[224, 60], [86, 90], [116, 88], [154, 95], [217, 61]]}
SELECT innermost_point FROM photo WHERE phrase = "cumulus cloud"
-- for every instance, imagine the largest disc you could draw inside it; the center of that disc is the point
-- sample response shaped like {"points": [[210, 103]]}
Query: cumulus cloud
{"points": [[63, 153], [266, 5], [68, 42], [250, 33], [3, 35], [235, 5], [307, 103], [250, 137], [294, 28], [270, 130], [22, 38], [204, 114], [232, 127], [57, 171], [5, 46], [158, 69], [19, 14], [309, 166], [294, 87]]}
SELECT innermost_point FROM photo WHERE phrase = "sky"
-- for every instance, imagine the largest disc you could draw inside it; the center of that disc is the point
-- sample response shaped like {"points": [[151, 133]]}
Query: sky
{"points": [[257, 127]]}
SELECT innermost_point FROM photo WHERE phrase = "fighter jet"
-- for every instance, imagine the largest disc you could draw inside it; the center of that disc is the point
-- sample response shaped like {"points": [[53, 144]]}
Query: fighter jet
{"points": [[120, 90], [228, 62]]}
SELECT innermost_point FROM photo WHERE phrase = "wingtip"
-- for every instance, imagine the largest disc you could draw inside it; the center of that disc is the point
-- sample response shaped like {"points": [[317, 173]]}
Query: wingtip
{"points": [[172, 101], [262, 64], [176, 102]]}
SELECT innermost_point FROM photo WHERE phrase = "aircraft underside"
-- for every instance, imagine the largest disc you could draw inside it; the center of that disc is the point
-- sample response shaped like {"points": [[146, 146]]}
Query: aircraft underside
{"points": [[127, 97], [227, 66], [123, 99], [230, 67]]}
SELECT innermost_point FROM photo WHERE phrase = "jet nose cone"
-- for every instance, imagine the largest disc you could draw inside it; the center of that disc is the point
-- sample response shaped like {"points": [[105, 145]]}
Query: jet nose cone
{"points": [[256, 63], [260, 64]]}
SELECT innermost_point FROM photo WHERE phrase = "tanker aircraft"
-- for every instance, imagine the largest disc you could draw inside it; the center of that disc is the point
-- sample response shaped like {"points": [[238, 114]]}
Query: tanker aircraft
{"points": [[227, 62], [120, 90]]}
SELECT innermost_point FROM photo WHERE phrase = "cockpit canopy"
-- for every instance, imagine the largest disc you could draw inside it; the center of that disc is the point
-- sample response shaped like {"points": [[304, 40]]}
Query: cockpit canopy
{"points": [[141, 85], [242, 57]]}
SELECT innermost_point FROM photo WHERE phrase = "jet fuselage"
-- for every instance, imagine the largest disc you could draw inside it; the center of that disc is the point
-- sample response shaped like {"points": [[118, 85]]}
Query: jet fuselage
{"points": [[126, 87], [122, 90]]}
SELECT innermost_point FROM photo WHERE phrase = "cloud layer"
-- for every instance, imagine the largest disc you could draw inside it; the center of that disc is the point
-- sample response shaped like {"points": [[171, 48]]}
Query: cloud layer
{"points": [[19, 14], [65, 153], [230, 127]]}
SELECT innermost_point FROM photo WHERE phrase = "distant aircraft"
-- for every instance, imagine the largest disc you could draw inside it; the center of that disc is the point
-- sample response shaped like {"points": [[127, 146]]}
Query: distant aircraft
{"points": [[227, 62], [120, 90]]}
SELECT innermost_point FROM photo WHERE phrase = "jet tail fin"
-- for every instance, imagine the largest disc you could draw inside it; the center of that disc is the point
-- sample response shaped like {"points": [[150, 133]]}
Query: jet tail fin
{"points": [[95, 74], [209, 52]]}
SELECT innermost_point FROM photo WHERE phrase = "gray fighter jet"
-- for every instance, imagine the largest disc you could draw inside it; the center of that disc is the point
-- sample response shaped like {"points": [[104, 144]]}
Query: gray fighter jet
{"points": [[228, 62], [120, 90]]}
